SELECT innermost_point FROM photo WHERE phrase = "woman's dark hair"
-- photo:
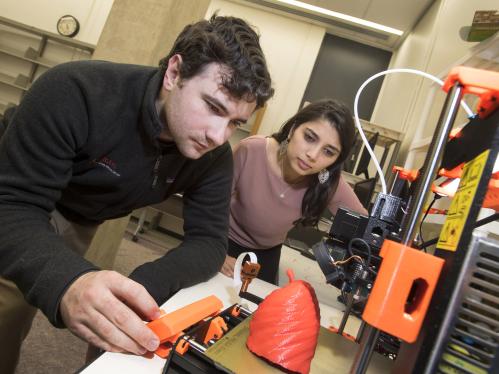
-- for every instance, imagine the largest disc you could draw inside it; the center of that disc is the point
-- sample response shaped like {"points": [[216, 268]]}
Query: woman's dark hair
{"points": [[339, 116], [229, 41]]}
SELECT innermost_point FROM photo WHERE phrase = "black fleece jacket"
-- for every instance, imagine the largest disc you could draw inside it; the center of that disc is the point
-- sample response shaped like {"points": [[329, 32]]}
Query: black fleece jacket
{"points": [[84, 141]]}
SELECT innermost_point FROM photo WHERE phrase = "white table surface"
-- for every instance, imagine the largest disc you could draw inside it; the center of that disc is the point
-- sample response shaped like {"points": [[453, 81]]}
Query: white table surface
{"points": [[222, 287]]}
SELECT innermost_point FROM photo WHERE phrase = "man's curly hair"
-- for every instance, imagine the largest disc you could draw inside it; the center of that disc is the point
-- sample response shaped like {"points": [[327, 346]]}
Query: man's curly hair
{"points": [[228, 41]]}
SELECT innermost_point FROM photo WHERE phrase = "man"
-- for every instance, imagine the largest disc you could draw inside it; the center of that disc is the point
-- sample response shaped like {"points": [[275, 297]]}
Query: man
{"points": [[94, 140]]}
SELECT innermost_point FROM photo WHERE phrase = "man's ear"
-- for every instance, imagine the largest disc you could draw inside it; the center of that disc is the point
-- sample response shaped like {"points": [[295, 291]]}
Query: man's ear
{"points": [[172, 73]]}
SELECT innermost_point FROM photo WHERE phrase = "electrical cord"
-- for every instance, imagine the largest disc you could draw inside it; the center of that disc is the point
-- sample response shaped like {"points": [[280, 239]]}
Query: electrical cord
{"points": [[340, 263], [364, 243], [357, 120], [435, 198], [172, 352]]}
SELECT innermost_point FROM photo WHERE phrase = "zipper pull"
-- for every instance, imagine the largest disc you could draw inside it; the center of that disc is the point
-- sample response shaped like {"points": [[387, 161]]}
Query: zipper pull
{"points": [[155, 171]]}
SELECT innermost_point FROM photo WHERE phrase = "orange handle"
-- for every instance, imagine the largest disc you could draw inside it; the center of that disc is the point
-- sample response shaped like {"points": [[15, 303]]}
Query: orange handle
{"points": [[173, 323], [403, 289]]}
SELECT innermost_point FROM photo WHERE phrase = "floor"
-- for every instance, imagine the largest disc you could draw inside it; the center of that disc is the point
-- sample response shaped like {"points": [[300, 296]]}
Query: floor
{"points": [[50, 350]]}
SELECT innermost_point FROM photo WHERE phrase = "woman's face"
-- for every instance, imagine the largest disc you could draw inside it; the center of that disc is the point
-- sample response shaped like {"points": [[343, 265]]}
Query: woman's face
{"points": [[312, 147]]}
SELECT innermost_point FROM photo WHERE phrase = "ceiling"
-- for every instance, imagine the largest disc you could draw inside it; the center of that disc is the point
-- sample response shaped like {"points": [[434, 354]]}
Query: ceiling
{"points": [[399, 14]]}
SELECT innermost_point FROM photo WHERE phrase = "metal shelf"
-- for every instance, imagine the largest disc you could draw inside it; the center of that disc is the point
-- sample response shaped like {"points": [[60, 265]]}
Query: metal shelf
{"points": [[386, 136], [32, 46], [21, 81], [42, 33], [29, 55], [389, 140]]}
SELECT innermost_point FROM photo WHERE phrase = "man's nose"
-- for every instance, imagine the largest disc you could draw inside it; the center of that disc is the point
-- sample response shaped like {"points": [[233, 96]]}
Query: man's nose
{"points": [[218, 133]]}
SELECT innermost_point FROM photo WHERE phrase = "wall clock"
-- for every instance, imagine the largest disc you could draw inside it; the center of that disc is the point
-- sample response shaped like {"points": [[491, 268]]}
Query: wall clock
{"points": [[68, 26]]}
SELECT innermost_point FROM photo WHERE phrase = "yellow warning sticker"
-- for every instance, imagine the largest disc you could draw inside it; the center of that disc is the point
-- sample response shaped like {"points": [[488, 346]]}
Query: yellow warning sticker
{"points": [[461, 203]]}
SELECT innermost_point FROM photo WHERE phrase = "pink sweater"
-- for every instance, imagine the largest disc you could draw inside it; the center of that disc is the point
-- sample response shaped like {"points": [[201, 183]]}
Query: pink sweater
{"points": [[259, 217]]}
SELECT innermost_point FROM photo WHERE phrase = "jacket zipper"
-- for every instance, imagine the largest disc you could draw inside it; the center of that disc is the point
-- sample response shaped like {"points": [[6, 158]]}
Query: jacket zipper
{"points": [[155, 171]]}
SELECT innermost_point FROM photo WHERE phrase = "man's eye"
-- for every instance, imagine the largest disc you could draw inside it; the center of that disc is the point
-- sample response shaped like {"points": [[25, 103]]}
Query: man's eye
{"points": [[236, 123], [213, 108]]}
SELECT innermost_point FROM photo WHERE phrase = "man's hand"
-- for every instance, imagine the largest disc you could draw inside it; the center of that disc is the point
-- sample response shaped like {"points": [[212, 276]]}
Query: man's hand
{"points": [[228, 266], [103, 308]]}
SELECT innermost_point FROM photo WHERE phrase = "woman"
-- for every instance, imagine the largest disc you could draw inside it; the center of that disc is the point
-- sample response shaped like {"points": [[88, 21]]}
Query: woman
{"points": [[286, 179]]}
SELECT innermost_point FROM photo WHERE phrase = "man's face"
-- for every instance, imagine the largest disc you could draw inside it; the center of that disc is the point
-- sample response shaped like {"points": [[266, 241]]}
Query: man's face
{"points": [[201, 115]]}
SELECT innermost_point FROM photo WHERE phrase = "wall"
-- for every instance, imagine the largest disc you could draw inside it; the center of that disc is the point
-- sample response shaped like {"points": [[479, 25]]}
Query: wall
{"points": [[290, 47], [141, 32], [400, 90], [433, 46], [454, 15], [341, 67], [44, 14]]}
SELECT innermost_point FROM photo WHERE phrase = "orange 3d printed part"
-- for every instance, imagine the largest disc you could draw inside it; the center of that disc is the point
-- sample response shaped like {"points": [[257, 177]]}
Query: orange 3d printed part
{"points": [[169, 326], [402, 291], [285, 327], [482, 83], [406, 174]]}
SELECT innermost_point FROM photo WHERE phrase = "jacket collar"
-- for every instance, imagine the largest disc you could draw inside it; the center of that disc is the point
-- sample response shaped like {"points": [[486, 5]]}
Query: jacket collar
{"points": [[150, 119]]}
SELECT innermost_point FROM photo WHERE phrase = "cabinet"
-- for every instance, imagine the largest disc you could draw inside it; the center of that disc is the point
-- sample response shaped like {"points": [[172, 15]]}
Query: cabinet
{"points": [[26, 52]]}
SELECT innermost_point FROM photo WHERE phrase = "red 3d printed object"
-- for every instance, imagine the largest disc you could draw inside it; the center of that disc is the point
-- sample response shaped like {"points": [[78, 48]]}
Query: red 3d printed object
{"points": [[285, 327]]}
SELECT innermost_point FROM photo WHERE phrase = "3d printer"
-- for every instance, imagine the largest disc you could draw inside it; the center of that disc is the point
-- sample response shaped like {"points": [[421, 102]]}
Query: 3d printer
{"points": [[380, 250], [374, 261]]}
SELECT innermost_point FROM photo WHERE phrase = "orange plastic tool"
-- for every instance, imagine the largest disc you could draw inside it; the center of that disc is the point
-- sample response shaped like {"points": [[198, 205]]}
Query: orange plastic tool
{"points": [[169, 327], [402, 290]]}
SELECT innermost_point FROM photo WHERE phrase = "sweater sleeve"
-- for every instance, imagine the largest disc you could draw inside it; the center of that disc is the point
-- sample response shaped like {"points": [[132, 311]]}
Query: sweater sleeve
{"points": [[202, 253], [345, 198], [36, 155]]}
